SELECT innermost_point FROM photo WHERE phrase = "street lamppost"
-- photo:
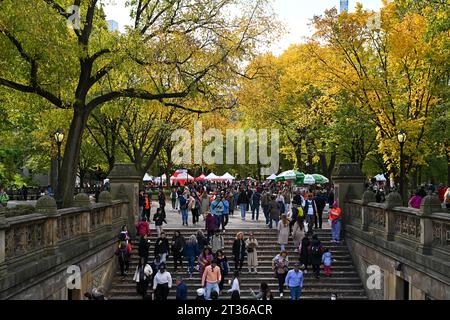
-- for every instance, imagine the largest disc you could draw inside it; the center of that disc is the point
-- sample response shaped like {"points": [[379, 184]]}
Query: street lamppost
{"points": [[59, 138], [401, 137]]}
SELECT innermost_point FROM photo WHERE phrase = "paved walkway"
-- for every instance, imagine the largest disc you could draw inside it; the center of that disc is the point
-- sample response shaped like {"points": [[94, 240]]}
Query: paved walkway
{"points": [[235, 222]]}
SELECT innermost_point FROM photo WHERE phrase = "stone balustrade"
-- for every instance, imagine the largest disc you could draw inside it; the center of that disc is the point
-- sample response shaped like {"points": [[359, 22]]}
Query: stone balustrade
{"points": [[49, 239]]}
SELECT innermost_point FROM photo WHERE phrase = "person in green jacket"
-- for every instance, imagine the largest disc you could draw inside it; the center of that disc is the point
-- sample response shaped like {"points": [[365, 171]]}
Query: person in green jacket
{"points": [[3, 197]]}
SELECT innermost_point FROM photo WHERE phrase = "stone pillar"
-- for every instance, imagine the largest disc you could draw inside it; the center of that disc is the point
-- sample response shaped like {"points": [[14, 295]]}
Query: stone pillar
{"points": [[430, 205], [125, 181], [106, 198], [394, 199], [47, 205], [3, 227], [348, 182], [367, 198], [81, 200]]}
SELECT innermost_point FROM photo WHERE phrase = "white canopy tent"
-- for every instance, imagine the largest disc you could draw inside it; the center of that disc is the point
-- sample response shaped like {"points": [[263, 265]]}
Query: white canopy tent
{"points": [[147, 177], [158, 179], [212, 177], [227, 177], [272, 177], [380, 178]]}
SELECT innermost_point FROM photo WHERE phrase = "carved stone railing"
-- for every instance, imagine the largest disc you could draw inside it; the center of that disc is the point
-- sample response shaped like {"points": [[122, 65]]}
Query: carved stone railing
{"points": [[31, 245], [424, 230]]}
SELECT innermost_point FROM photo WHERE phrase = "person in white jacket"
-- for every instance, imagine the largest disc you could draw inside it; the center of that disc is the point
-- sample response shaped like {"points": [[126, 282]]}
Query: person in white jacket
{"points": [[235, 286], [142, 276]]}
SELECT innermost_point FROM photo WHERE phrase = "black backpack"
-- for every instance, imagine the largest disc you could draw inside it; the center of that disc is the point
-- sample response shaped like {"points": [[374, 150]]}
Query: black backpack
{"points": [[315, 250]]}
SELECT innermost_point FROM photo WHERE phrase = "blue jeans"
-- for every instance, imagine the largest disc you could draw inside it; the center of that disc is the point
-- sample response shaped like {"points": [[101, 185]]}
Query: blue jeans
{"points": [[255, 208], [209, 288], [243, 207], [287, 206], [282, 247], [191, 264], [218, 221], [296, 293], [184, 215], [336, 230]]}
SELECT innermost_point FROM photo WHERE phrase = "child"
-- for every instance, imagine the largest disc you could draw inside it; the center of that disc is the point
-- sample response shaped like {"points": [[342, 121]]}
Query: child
{"points": [[326, 260]]}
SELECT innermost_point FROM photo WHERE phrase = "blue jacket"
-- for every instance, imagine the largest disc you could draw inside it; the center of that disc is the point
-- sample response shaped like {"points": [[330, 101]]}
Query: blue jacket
{"points": [[181, 291], [326, 259], [294, 279], [226, 207], [191, 250], [216, 208]]}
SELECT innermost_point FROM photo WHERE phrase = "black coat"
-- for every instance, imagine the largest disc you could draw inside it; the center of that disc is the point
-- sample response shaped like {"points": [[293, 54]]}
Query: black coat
{"points": [[243, 198], [144, 247], [316, 259], [161, 246], [178, 244], [321, 202], [239, 249], [304, 253]]}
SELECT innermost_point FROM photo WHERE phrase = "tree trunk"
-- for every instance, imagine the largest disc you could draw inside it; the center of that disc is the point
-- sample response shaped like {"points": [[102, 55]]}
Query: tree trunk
{"points": [[67, 176], [448, 168]]}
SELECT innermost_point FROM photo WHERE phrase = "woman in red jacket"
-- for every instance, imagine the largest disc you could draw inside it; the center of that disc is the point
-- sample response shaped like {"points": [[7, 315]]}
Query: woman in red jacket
{"points": [[335, 220], [143, 227]]}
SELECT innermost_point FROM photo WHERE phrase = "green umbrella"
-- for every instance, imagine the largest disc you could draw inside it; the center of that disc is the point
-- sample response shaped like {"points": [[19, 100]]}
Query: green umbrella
{"points": [[320, 179], [290, 175], [309, 179]]}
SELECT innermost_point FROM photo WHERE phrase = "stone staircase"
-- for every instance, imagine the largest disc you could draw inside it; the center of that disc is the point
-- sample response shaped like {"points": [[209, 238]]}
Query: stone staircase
{"points": [[344, 282]]}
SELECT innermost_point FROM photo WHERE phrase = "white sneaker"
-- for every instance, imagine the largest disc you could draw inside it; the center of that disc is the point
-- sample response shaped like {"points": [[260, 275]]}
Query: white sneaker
{"points": [[256, 270], [281, 295], [249, 270]]}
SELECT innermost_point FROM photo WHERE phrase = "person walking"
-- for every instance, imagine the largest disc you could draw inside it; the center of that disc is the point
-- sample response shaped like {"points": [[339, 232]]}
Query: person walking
{"points": [[204, 260], [447, 198], [216, 209], [191, 251], [281, 202], [205, 204], [147, 206], [184, 209], [142, 276], [280, 266], [162, 283], [202, 241], [326, 260], [217, 242], [162, 201], [415, 201], [4, 198], [316, 251], [226, 212], [211, 278], [141, 203], [232, 203], [235, 286], [252, 253], [142, 227], [123, 257], [335, 221], [178, 244], [256, 202], [173, 198], [182, 293], [283, 232], [298, 233], [222, 262], [321, 202], [162, 247], [287, 200], [143, 248], [243, 202], [310, 211], [239, 251], [195, 205], [159, 218], [210, 226], [294, 281], [304, 253], [274, 212]]}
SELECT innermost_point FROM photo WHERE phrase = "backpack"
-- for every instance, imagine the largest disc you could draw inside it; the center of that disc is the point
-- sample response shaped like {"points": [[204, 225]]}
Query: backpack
{"points": [[315, 250], [300, 212]]}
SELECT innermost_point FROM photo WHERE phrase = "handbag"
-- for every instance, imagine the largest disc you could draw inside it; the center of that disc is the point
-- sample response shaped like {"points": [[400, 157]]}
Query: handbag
{"points": [[250, 249]]}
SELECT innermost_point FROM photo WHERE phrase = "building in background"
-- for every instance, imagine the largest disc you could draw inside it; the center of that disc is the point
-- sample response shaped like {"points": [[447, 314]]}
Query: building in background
{"points": [[344, 6], [113, 25]]}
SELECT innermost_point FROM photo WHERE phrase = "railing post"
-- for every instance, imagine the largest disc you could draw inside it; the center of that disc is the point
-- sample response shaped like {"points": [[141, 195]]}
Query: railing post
{"points": [[368, 197], [430, 204], [394, 199], [47, 205], [81, 200]]}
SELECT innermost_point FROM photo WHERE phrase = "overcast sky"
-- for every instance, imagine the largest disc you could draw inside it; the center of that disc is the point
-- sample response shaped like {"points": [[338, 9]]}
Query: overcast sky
{"points": [[295, 14]]}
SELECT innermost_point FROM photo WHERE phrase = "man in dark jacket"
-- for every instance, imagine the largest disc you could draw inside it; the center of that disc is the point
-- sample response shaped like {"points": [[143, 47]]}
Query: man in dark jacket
{"points": [[181, 290], [315, 252], [256, 201], [143, 250], [162, 247], [242, 202], [321, 202]]}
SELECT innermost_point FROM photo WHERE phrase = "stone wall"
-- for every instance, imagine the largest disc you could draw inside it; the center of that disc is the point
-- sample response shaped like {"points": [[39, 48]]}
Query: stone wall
{"points": [[410, 246], [37, 249]]}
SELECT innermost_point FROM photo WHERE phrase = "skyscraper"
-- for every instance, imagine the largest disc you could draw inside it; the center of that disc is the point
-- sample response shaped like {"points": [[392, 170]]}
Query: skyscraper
{"points": [[344, 5], [113, 25]]}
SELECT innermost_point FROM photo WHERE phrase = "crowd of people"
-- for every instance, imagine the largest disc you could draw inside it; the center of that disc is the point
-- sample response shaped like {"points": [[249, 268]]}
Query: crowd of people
{"points": [[292, 212]]}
